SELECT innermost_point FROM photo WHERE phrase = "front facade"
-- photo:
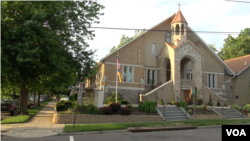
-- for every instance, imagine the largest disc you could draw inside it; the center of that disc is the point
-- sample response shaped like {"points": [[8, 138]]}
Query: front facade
{"points": [[159, 63]]}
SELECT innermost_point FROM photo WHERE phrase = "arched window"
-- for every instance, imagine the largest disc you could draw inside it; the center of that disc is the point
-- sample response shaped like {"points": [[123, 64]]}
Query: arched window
{"points": [[154, 49], [177, 29], [182, 29]]}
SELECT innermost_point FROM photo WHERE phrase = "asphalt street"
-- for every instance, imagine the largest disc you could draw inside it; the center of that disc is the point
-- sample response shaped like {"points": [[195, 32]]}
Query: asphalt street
{"points": [[208, 134]]}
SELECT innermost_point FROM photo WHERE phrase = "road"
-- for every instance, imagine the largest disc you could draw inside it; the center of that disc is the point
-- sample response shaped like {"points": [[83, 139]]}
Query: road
{"points": [[208, 134]]}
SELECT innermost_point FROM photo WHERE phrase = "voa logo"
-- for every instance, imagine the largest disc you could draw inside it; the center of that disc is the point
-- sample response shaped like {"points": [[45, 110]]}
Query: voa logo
{"points": [[236, 132]]}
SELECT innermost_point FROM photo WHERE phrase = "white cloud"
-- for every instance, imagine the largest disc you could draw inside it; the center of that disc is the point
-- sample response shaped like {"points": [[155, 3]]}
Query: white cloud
{"points": [[201, 15]]}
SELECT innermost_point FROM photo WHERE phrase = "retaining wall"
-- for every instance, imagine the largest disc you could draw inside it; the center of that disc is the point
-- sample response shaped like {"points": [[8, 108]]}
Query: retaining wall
{"points": [[87, 118], [208, 117]]}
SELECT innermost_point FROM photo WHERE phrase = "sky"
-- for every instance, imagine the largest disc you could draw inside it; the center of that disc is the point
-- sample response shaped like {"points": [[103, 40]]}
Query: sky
{"points": [[201, 15]]}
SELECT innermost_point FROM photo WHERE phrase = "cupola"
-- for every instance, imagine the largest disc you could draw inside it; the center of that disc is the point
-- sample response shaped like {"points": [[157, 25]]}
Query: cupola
{"points": [[178, 27]]}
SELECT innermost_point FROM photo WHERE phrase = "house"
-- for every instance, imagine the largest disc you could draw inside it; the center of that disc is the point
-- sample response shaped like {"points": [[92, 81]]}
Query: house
{"points": [[239, 85], [170, 58]]}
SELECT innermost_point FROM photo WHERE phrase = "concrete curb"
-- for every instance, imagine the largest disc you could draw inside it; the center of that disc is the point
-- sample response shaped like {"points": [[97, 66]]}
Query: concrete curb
{"points": [[90, 132], [205, 127], [146, 129]]}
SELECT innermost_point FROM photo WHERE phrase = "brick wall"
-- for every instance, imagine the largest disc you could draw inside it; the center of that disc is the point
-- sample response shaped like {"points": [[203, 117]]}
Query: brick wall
{"points": [[83, 118]]}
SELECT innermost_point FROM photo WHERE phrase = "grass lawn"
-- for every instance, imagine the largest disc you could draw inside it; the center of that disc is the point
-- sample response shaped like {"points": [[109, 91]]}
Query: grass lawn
{"points": [[16, 119], [23, 118], [35, 110], [120, 126]]}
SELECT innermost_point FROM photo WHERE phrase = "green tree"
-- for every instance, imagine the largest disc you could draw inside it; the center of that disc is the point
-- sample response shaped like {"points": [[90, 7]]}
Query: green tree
{"points": [[41, 38], [212, 46], [126, 39], [236, 47]]}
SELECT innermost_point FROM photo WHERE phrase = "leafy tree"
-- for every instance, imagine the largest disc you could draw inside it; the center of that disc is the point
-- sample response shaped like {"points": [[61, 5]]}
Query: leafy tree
{"points": [[45, 39], [236, 47], [126, 39], [212, 46]]}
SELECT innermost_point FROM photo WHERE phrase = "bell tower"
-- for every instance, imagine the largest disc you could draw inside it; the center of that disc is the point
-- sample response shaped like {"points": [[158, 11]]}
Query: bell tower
{"points": [[178, 27]]}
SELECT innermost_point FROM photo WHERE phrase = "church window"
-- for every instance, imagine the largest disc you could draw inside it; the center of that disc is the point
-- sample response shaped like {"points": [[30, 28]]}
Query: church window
{"points": [[212, 80], [182, 29], [151, 75], [177, 30], [168, 37], [154, 49], [127, 74]]}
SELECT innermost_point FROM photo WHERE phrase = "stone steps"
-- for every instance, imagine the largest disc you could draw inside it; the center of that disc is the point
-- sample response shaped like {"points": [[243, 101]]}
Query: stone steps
{"points": [[228, 113], [173, 114]]}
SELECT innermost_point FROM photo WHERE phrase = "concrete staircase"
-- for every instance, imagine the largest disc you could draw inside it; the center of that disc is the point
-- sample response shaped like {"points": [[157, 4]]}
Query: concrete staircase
{"points": [[173, 113], [228, 112]]}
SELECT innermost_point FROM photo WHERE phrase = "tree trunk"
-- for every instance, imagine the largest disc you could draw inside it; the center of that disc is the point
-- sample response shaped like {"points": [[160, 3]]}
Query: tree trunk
{"points": [[38, 99], [23, 100]]}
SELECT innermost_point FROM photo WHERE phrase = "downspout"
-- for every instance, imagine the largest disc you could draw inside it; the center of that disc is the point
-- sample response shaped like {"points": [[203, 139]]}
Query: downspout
{"points": [[230, 79], [228, 82]]}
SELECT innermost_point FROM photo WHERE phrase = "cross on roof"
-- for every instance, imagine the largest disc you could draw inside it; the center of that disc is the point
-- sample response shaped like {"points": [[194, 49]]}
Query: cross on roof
{"points": [[179, 5]]}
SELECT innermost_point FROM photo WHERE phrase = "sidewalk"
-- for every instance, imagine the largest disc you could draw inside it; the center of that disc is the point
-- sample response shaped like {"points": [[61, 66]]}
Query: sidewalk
{"points": [[37, 126]]}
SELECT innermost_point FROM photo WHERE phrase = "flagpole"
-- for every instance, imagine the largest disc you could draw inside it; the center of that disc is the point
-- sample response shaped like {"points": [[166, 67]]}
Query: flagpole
{"points": [[116, 78]]}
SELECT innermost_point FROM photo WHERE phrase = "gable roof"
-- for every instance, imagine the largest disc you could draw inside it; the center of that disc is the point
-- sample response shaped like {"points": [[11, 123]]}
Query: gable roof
{"points": [[209, 49], [213, 53], [137, 37], [179, 18], [239, 64]]}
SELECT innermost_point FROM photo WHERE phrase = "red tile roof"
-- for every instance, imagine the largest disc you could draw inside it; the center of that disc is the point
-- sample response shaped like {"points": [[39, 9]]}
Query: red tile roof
{"points": [[179, 18], [238, 64]]}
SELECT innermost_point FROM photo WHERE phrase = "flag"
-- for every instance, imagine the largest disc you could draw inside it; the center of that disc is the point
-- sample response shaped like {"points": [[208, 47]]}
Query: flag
{"points": [[118, 70]]}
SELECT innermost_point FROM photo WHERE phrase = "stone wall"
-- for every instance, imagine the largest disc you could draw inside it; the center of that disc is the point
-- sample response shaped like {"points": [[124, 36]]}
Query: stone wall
{"points": [[131, 95], [190, 51], [208, 117], [83, 118]]}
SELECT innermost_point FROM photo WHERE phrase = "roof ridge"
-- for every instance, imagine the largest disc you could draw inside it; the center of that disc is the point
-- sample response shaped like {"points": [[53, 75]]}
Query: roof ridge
{"points": [[237, 58]]}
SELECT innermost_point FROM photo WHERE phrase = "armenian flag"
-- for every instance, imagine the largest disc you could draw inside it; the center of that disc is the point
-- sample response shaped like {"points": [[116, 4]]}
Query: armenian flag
{"points": [[118, 70]]}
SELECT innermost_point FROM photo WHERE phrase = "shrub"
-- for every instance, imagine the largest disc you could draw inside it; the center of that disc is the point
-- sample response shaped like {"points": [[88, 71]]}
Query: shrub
{"points": [[200, 107], [130, 107], [225, 104], [161, 102], [204, 106], [68, 104], [60, 107], [125, 111], [240, 109], [115, 106], [235, 106], [106, 110], [148, 106], [71, 97], [81, 106], [89, 109], [218, 103], [111, 98], [210, 101], [183, 104], [75, 97], [247, 107], [189, 111], [122, 101], [173, 98]]}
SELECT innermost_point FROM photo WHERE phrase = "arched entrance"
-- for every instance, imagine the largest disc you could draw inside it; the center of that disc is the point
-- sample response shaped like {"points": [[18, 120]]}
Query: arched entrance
{"points": [[186, 69]]}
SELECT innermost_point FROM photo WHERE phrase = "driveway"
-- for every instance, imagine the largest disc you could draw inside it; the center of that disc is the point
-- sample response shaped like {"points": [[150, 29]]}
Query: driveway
{"points": [[40, 125]]}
